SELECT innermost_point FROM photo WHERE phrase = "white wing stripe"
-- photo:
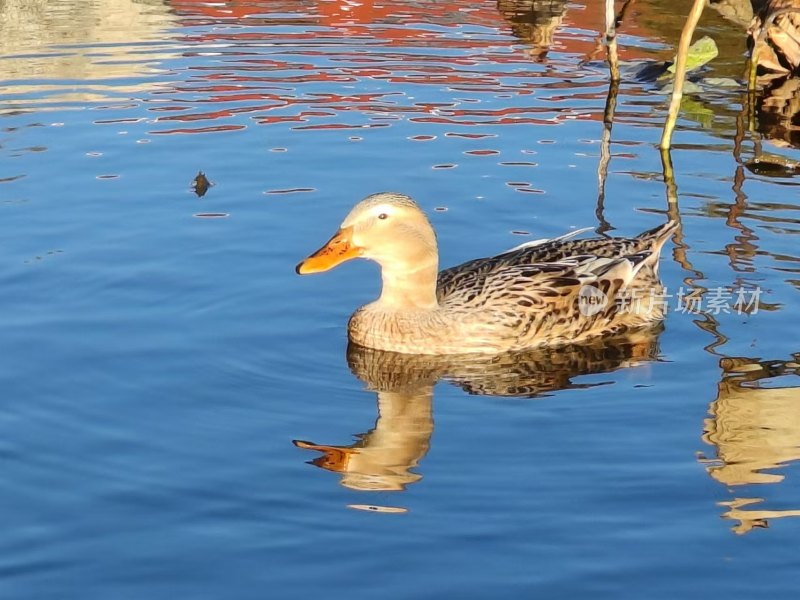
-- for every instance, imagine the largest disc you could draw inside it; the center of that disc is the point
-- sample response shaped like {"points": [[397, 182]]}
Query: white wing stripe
{"points": [[560, 238]]}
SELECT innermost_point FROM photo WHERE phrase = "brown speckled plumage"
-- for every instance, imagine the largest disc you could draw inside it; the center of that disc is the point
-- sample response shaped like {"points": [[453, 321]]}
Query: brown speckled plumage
{"points": [[526, 297]]}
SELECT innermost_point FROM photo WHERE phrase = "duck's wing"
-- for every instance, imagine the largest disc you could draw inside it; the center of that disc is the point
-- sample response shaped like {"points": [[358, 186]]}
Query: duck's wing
{"points": [[564, 246], [536, 285], [552, 265]]}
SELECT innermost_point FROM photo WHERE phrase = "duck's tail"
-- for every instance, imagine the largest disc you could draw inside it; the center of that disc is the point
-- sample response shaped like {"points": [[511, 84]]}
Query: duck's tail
{"points": [[644, 253], [652, 241]]}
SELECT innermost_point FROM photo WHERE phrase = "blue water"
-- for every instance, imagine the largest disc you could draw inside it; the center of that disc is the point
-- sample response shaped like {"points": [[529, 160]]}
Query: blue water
{"points": [[160, 356]]}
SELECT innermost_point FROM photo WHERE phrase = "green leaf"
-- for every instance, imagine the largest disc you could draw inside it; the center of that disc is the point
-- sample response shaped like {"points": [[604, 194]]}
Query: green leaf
{"points": [[701, 52]]}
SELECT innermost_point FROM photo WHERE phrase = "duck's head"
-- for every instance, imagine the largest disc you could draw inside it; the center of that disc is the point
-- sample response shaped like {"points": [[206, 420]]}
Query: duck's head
{"points": [[388, 228]]}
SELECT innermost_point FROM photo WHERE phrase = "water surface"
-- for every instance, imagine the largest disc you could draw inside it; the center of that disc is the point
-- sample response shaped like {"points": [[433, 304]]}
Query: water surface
{"points": [[162, 362]]}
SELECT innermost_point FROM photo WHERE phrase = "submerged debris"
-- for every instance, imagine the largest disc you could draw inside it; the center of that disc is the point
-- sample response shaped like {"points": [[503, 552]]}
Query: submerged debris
{"points": [[772, 165]]}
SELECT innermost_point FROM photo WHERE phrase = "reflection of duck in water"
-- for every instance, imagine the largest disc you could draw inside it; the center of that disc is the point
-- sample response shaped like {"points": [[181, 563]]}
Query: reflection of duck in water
{"points": [[383, 458], [755, 430], [533, 295], [534, 22]]}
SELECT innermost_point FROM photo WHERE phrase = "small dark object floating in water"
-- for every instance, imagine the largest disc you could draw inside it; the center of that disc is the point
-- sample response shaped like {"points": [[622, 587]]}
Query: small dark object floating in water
{"points": [[201, 184]]}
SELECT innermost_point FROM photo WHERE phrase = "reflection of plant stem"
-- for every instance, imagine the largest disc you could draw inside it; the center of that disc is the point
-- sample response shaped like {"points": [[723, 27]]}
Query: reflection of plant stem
{"points": [[605, 155], [745, 246], [622, 13], [608, 114], [738, 137], [598, 46], [747, 115], [675, 215], [611, 40], [753, 67], [709, 323], [680, 71], [743, 250]]}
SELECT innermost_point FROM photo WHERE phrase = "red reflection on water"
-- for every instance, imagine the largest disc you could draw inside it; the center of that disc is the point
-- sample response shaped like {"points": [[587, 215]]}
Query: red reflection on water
{"points": [[261, 58]]}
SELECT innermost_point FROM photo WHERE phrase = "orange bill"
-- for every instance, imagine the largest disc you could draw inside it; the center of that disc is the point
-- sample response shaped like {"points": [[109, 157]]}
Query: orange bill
{"points": [[334, 458], [337, 250]]}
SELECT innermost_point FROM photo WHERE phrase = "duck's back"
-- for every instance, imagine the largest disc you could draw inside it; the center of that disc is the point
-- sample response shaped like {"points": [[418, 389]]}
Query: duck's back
{"points": [[475, 274]]}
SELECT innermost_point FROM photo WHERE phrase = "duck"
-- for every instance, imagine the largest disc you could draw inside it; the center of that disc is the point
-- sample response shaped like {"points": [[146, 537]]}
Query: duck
{"points": [[547, 292]]}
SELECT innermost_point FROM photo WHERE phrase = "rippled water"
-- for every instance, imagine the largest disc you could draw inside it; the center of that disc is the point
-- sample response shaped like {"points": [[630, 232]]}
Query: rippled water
{"points": [[170, 386]]}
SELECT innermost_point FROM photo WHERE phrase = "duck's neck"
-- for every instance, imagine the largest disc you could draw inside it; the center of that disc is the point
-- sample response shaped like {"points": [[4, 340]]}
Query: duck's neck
{"points": [[409, 288]]}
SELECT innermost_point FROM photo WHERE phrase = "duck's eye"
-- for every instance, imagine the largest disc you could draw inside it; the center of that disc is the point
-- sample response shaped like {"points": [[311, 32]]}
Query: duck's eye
{"points": [[383, 216]]}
